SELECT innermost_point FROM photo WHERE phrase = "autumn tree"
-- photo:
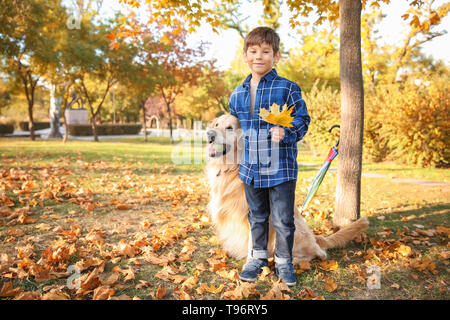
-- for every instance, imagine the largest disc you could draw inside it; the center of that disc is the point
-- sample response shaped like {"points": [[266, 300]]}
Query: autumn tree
{"points": [[97, 63], [385, 63], [423, 21], [206, 99], [316, 58], [181, 68], [141, 85], [27, 42]]}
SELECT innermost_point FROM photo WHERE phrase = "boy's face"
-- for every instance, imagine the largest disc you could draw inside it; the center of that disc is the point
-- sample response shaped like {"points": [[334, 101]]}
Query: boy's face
{"points": [[260, 58]]}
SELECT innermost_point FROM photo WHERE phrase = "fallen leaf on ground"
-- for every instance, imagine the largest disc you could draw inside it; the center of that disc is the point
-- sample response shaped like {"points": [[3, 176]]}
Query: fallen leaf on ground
{"points": [[189, 283], [265, 272], [9, 291], [160, 292], [328, 265], [330, 286], [277, 292], [241, 291]]}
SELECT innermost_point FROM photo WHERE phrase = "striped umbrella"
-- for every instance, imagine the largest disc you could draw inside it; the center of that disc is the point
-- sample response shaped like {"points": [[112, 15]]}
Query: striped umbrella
{"points": [[323, 170]]}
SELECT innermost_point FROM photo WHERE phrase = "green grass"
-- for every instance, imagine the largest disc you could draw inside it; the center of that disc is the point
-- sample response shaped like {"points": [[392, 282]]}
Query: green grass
{"points": [[160, 190]]}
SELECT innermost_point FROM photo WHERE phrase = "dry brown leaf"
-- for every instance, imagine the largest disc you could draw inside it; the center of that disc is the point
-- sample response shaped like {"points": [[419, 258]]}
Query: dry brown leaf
{"points": [[443, 230], [308, 294], [329, 265], [112, 279], [232, 275], [201, 267], [211, 289], [56, 294], [276, 292], [29, 295], [102, 293], [183, 295], [404, 250], [89, 282], [445, 255], [216, 264], [160, 292], [5, 211], [330, 286], [241, 291], [125, 249], [187, 251], [5, 262], [15, 232], [218, 253], [123, 206], [395, 286], [26, 251], [9, 291], [123, 297], [189, 283], [304, 265], [128, 274], [143, 284], [265, 272], [162, 260], [23, 219]]}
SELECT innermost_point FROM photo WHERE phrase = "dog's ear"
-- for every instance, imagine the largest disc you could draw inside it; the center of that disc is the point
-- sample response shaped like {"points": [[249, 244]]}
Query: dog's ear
{"points": [[213, 123]]}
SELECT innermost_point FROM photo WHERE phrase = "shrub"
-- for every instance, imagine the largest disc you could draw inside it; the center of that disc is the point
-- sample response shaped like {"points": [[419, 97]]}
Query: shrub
{"points": [[24, 125], [6, 128], [410, 123], [104, 129], [403, 122], [324, 108]]}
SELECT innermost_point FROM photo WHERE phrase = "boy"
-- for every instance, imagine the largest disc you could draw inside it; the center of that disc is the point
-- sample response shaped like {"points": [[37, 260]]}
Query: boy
{"points": [[269, 163]]}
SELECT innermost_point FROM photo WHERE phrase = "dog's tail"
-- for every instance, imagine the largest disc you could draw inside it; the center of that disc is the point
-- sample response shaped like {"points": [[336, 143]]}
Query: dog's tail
{"points": [[344, 235]]}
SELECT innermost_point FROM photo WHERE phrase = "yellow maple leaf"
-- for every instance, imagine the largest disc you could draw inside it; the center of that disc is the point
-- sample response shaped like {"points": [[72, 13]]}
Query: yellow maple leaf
{"points": [[275, 116]]}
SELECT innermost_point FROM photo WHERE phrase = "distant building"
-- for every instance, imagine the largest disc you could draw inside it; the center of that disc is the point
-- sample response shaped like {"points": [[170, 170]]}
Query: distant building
{"points": [[157, 117]]}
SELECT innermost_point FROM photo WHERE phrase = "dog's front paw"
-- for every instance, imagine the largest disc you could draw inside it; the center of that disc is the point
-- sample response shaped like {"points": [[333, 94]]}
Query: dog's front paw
{"points": [[322, 254]]}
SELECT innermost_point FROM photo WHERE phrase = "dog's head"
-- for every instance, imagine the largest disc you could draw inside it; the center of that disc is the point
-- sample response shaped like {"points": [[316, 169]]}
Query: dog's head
{"points": [[224, 137]]}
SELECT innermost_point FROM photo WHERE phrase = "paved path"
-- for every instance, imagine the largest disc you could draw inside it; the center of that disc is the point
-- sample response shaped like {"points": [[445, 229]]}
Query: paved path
{"points": [[426, 183]]}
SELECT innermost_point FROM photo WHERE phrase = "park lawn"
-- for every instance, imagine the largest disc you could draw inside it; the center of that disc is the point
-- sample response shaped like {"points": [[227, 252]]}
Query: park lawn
{"points": [[132, 216]]}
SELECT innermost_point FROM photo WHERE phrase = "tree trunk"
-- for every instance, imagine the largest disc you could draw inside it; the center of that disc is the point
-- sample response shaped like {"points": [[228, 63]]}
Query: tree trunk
{"points": [[144, 123], [94, 128], [348, 189], [27, 79], [66, 133], [31, 121], [55, 106], [170, 122]]}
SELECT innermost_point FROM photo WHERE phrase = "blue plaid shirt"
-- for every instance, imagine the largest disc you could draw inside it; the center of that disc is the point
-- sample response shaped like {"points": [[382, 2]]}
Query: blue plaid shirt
{"points": [[265, 162]]}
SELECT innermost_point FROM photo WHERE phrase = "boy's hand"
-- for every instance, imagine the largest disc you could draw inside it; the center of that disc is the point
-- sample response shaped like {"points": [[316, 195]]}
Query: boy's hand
{"points": [[277, 134]]}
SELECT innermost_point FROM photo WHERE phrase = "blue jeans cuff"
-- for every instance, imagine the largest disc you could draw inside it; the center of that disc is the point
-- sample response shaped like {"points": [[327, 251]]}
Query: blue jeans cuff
{"points": [[260, 254], [282, 260]]}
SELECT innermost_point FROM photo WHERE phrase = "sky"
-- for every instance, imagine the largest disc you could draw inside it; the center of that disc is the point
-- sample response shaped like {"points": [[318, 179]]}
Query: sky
{"points": [[224, 45]]}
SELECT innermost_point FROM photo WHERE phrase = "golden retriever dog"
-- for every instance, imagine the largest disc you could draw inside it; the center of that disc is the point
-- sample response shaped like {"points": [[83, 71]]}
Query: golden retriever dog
{"points": [[229, 209]]}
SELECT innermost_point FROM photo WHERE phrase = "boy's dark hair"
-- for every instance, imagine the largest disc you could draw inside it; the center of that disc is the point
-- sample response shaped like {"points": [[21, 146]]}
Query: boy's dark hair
{"points": [[260, 35]]}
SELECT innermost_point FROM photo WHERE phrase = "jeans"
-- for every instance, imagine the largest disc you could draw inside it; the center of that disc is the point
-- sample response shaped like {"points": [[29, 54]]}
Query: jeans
{"points": [[278, 201]]}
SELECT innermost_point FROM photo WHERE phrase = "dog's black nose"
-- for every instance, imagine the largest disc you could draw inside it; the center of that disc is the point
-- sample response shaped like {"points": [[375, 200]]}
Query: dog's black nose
{"points": [[211, 135]]}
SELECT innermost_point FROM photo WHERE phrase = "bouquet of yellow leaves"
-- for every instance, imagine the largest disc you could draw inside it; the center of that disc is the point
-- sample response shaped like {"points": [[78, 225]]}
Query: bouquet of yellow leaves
{"points": [[275, 116]]}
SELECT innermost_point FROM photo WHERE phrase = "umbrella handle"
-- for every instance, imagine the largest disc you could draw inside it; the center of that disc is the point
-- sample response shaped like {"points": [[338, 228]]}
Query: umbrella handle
{"points": [[331, 129]]}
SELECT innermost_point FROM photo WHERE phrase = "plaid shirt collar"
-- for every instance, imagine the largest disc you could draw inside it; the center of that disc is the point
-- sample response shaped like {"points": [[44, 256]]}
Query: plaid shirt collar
{"points": [[269, 76]]}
